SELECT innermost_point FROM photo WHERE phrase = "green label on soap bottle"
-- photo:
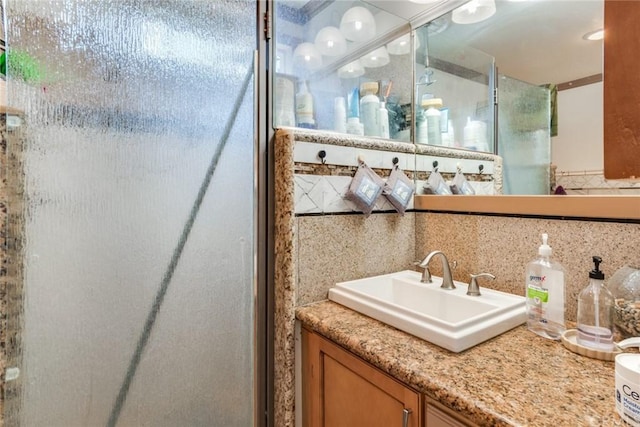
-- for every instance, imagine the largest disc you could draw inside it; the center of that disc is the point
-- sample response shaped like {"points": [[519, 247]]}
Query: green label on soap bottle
{"points": [[538, 294]]}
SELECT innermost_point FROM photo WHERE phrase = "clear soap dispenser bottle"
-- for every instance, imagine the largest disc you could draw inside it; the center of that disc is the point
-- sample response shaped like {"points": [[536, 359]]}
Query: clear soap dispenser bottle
{"points": [[544, 279], [595, 312], [304, 107]]}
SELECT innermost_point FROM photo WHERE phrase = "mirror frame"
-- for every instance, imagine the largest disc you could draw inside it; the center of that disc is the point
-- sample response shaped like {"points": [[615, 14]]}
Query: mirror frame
{"points": [[625, 207]]}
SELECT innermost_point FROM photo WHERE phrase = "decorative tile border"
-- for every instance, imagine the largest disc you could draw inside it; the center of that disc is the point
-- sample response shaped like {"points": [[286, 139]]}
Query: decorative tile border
{"points": [[323, 169], [594, 182], [325, 194]]}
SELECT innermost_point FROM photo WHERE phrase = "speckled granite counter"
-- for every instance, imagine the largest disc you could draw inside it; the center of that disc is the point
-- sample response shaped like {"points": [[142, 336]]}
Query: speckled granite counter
{"points": [[517, 378]]}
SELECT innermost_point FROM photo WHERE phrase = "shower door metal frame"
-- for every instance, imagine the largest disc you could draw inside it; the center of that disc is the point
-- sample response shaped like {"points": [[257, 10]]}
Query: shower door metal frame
{"points": [[263, 220]]}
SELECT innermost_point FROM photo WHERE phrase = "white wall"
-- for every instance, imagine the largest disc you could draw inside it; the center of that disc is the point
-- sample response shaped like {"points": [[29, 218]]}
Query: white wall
{"points": [[578, 146]]}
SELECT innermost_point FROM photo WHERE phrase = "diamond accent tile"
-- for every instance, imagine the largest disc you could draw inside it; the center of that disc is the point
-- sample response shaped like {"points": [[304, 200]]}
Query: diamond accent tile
{"points": [[308, 194], [335, 189]]}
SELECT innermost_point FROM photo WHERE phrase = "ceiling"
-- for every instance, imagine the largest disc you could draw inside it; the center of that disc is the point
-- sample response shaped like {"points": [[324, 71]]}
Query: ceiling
{"points": [[538, 41]]}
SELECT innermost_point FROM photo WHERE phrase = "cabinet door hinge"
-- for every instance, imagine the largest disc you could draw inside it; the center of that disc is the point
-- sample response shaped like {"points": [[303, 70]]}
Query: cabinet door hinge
{"points": [[495, 96], [267, 25]]}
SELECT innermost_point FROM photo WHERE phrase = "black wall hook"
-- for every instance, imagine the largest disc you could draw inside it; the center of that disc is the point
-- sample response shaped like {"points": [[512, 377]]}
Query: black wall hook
{"points": [[481, 168], [322, 155], [435, 165], [395, 160]]}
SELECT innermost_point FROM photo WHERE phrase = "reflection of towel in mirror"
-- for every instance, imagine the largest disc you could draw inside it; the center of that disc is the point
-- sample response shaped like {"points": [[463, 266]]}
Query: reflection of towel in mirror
{"points": [[553, 98]]}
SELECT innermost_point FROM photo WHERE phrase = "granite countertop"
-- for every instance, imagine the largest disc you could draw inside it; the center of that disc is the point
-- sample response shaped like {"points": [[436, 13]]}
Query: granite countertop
{"points": [[517, 378]]}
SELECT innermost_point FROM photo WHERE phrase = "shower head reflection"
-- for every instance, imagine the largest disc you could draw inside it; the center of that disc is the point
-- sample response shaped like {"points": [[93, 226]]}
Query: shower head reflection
{"points": [[426, 79]]}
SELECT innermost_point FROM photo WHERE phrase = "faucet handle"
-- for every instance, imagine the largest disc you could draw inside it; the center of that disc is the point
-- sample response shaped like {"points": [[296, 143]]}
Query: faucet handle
{"points": [[426, 274], [474, 289]]}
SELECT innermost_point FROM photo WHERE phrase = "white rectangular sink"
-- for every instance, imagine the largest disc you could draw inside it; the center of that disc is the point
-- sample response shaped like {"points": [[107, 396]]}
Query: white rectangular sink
{"points": [[448, 318]]}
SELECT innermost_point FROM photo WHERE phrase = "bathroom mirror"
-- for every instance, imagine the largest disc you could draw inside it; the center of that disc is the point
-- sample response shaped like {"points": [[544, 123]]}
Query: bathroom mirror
{"points": [[534, 43], [619, 23]]}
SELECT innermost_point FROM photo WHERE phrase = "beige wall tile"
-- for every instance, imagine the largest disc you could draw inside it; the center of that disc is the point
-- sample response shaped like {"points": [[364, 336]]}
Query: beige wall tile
{"points": [[335, 248], [503, 246]]}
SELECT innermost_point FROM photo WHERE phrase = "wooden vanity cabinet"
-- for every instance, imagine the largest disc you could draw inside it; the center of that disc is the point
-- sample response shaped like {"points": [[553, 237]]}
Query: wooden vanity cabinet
{"points": [[341, 390]]}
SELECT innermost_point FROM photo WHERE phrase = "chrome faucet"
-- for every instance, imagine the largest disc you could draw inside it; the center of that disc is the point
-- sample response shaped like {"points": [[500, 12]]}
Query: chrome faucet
{"points": [[447, 280]]}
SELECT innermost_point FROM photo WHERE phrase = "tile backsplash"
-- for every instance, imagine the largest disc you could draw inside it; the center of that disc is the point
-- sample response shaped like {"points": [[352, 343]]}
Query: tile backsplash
{"points": [[336, 248], [504, 245], [332, 248]]}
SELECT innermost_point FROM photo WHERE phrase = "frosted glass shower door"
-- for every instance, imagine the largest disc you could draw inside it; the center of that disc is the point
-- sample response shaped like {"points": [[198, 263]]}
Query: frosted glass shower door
{"points": [[138, 227], [524, 136]]}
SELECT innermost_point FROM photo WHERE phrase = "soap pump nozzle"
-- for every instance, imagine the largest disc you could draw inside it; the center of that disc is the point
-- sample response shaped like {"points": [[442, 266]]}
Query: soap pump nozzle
{"points": [[544, 249], [596, 273]]}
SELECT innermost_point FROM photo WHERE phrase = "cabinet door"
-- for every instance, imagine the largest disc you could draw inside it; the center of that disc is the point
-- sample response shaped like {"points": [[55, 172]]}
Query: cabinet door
{"points": [[436, 415], [621, 89], [339, 389]]}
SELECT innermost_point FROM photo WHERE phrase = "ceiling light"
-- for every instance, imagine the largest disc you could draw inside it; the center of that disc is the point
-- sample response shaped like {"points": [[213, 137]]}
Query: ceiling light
{"points": [[375, 59], [351, 70], [594, 35], [358, 24], [306, 56], [474, 11], [402, 45], [330, 42], [438, 25]]}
